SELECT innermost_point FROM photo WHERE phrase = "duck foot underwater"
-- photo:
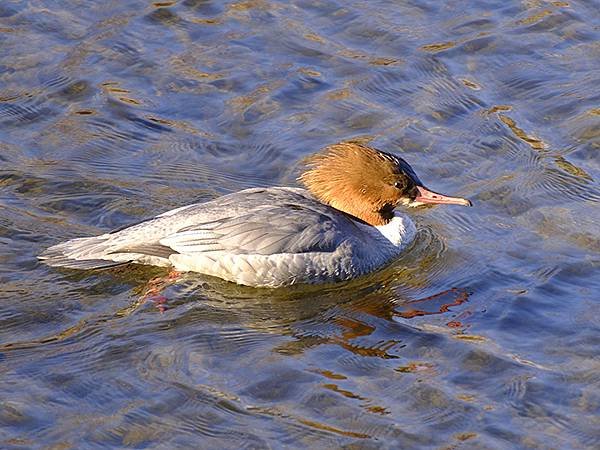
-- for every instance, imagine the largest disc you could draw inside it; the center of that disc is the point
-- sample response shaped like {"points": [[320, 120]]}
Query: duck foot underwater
{"points": [[155, 287]]}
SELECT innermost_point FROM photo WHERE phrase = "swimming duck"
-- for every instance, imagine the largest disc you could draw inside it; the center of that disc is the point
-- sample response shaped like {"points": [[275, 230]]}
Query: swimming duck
{"points": [[343, 225]]}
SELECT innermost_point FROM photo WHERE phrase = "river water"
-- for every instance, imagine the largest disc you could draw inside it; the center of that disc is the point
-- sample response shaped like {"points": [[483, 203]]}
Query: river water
{"points": [[485, 335]]}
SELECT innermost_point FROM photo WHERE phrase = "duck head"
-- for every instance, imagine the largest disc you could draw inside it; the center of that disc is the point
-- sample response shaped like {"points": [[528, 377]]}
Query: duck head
{"points": [[367, 183]]}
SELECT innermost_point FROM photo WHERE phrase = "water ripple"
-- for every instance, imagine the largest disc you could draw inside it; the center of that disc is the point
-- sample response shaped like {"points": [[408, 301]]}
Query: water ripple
{"points": [[482, 334]]}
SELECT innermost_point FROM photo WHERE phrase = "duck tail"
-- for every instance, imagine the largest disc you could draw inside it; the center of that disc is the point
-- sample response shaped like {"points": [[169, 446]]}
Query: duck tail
{"points": [[81, 253]]}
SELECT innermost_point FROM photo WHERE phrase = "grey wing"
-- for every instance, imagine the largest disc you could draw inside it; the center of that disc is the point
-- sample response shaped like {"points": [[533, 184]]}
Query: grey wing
{"points": [[272, 246], [265, 230], [254, 222]]}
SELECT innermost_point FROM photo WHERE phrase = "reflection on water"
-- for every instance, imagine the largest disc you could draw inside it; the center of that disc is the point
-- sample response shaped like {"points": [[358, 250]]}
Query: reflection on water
{"points": [[482, 336]]}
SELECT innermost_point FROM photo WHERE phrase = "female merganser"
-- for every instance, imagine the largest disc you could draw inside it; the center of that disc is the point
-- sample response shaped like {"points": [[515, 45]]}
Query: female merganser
{"points": [[341, 227]]}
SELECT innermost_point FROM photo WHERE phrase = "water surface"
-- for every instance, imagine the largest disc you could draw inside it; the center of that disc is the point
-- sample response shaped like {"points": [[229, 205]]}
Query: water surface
{"points": [[484, 335]]}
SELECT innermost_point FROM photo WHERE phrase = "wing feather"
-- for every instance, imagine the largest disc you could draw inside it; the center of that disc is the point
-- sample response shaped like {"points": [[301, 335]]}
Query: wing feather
{"points": [[261, 231], [212, 236]]}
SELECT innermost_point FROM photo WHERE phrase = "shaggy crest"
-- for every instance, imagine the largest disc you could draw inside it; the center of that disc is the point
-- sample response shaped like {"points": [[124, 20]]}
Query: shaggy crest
{"points": [[361, 181]]}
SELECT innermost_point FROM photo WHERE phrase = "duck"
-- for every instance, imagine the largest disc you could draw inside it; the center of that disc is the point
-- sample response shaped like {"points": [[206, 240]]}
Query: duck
{"points": [[347, 221]]}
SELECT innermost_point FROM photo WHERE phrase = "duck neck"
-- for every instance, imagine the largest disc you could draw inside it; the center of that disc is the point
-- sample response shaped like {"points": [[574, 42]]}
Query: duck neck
{"points": [[373, 217]]}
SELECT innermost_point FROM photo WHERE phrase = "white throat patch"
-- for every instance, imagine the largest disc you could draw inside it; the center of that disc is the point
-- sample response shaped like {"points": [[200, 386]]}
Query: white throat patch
{"points": [[400, 231]]}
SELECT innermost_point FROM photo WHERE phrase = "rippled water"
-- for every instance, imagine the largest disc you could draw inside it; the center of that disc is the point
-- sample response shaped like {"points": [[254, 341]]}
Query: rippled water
{"points": [[485, 335]]}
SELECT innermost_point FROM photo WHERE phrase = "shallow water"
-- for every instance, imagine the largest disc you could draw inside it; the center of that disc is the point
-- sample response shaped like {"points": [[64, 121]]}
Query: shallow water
{"points": [[484, 335]]}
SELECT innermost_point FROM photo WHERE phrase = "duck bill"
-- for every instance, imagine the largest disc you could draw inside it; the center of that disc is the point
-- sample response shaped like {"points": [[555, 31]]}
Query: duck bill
{"points": [[427, 196]]}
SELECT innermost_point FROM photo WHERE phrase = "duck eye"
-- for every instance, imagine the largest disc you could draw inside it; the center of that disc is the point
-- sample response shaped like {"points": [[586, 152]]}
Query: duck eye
{"points": [[398, 185]]}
